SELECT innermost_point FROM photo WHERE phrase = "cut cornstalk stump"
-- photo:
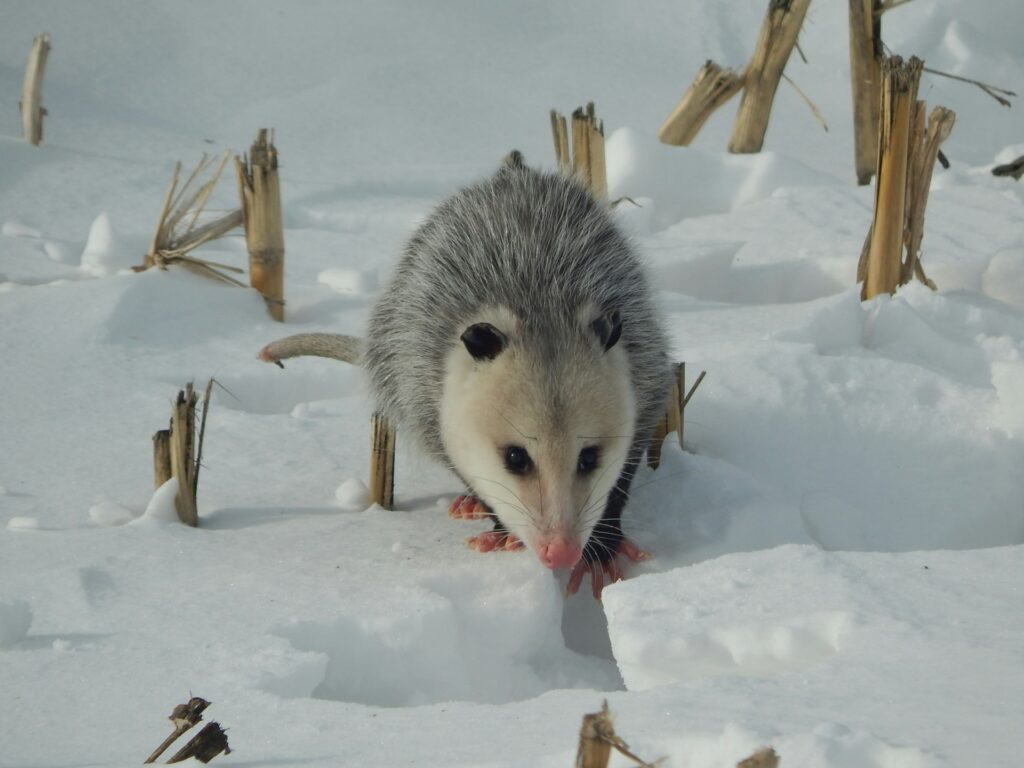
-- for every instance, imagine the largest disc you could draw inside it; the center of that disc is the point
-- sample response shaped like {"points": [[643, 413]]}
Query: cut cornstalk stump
{"points": [[182, 446], [204, 746], [581, 145], [926, 141], [260, 192], [586, 159], [865, 75], [161, 457], [711, 88], [560, 135], [675, 413], [882, 257], [595, 146], [183, 717], [761, 77], [177, 452], [382, 462], [32, 110], [908, 148], [1014, 170], [598, 739], [685, 396], [766, 757]]}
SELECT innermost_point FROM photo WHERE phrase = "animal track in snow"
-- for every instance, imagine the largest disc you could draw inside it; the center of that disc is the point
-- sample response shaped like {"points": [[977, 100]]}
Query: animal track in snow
{"points": [[467, 636], [753, 649]]}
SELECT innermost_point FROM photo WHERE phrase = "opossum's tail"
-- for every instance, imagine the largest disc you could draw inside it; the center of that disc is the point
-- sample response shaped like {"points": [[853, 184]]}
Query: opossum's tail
{"points": [[348, 349]]}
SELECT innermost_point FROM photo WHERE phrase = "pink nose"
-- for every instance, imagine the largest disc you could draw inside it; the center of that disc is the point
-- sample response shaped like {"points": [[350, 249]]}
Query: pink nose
{"points": [[559, 552]]}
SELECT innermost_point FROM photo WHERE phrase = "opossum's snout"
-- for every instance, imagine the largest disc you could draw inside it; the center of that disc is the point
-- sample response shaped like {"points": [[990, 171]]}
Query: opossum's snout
{"points": [[560, 552], [548, 497]]}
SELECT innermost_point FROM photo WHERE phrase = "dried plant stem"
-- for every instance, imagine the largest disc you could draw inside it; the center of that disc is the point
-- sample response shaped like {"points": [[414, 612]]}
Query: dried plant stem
{"points": [[260, 191], [925, 150], [182, 452], [885, 239], [762, 74], [888, 5], [161, 457], [173, 240], [382, 462], [560, 134], [586, 160], [908, 150], [32, 110], [1013, 169], [766, 757], [865, 76], [994, 91], [711, 88], [184, 717], [807, 100], [204, 746], [598, 738]]}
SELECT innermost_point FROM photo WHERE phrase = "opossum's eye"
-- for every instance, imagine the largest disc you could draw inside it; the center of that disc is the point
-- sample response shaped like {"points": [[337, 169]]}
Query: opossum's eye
{"points": [[517, 460], [483, 341], [588, 460], [608, 329]]}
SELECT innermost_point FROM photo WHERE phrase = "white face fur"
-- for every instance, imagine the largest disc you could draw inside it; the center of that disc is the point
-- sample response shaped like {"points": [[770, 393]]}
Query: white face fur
{"points": [[544, 468]]}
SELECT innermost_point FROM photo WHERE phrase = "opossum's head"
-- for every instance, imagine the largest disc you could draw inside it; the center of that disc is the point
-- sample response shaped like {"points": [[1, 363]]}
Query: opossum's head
{"points": [[539, 422]]}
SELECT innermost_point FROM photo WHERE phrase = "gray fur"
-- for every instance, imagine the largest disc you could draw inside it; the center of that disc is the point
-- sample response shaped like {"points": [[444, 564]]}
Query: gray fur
{"points": [[537, 244]]}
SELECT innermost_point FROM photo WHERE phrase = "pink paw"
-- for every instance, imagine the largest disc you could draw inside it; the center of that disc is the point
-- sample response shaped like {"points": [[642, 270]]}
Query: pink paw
{"points": [[466, 507], [495, 541], [609, 569]]}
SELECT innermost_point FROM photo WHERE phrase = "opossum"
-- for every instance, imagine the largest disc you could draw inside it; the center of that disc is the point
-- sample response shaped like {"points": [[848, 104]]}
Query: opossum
{"points": [[518, 342]]}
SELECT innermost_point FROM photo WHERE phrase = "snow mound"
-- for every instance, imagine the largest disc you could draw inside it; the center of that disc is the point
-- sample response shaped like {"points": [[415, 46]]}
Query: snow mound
{"points": [[687, 182], [352, 495], [799, 617], [17, 229], [349, 281], [108, 513], [1003, 278], [23, 523], [104, 254], [15, 619], [162, 507]]}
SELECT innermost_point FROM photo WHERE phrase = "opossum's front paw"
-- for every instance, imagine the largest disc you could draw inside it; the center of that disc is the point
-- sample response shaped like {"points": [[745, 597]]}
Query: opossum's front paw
{"points": [[495, 541], [467, 507], [608, 571]]}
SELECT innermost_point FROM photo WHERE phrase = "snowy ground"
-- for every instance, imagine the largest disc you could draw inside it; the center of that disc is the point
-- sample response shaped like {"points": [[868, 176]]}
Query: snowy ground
{"points": [[838, 557]]}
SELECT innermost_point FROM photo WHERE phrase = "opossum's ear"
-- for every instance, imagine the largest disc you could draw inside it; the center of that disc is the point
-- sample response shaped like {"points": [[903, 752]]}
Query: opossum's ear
{"points": [[514, 160], [608, 329], [483, 341]]}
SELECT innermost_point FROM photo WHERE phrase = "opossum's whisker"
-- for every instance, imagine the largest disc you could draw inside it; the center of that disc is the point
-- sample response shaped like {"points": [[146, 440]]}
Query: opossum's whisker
{"points": [[630, 521], [540, 495], [601, 545], [620, 425], [658, 477], [598, 510], [522, 504], [581, 512], [517, 429]]}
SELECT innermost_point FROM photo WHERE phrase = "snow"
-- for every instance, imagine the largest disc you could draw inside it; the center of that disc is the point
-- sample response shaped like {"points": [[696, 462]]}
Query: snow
{"points": [[15, 619], [837, 556]]}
